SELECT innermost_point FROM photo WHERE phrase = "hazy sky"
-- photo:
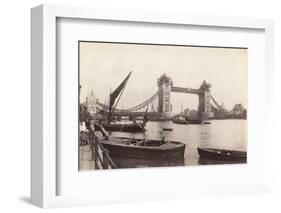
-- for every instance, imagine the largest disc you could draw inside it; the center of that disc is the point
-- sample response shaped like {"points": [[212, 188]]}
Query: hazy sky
{"points": [[103, 66]]}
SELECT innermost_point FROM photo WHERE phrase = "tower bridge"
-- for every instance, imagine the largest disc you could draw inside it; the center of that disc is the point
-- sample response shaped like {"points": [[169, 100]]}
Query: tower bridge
{"points": [[165, 87], [163, 99]]}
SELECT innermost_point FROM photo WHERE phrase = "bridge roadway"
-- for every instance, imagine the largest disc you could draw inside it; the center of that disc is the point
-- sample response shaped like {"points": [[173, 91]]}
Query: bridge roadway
{"points": [[186, 90], [143, 105]]}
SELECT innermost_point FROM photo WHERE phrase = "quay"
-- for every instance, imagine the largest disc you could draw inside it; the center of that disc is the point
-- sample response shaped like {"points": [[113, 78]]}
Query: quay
{"points": [[94, 156], [85, 162]]}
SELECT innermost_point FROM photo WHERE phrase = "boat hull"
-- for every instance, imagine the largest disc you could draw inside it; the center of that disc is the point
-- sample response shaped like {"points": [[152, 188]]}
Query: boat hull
{"points": [[180, 122], [123, 127], [127, 156], [221, 154]]}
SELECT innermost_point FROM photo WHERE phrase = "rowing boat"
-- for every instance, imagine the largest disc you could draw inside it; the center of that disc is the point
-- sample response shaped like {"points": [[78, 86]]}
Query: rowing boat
{"points": [[130, 152], [222, 154]]}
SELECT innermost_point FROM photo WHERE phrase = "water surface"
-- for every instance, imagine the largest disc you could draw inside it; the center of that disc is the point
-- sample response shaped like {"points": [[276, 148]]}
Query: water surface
{"points": [[222, 134]]}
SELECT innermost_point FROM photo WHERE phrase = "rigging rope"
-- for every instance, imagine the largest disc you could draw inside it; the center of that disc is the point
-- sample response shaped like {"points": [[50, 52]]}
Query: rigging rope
{"points": [[219, 107]]}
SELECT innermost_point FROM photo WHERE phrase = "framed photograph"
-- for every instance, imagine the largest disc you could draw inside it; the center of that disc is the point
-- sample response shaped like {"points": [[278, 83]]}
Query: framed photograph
{"points": [[151, 106]]}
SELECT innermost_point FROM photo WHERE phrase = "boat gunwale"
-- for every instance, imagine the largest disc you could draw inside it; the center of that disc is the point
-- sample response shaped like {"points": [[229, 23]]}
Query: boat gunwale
{"points": [[178, 145]]}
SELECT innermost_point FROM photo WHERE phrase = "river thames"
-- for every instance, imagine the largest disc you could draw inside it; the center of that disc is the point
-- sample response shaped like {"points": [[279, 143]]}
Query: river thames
{"points": [[221, 134]]}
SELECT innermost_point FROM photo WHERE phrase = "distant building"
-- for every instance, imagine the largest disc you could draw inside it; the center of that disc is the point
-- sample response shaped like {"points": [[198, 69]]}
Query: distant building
{"points": [[92, 103]]}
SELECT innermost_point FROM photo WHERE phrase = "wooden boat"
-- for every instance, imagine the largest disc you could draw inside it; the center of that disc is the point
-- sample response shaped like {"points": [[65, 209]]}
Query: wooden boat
{"points": [[129, 152], [222, 154]]}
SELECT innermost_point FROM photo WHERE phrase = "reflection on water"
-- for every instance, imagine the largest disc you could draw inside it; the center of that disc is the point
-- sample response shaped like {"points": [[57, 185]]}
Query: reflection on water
{"points": [[221, 134]]}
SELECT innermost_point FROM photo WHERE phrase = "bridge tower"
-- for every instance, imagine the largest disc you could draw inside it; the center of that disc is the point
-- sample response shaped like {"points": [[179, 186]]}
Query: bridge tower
{"points": [[164, 93], [204, 102]]}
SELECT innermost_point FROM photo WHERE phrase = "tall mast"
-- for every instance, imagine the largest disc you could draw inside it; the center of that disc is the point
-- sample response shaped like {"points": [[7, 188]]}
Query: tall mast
{"points": [[116, 94], [109, 110]]}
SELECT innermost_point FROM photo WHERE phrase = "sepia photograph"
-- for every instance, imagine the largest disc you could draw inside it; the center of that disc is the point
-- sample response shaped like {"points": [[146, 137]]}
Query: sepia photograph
{"points": [[160, 105]]}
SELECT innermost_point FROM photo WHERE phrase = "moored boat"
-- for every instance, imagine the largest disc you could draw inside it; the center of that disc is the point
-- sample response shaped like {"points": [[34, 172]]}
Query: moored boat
{"points": [[222, 154], [129, 152], [126, 127]]}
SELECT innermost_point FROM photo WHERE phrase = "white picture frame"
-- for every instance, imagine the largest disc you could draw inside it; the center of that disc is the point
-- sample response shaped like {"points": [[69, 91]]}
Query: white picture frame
{"points": [[44, 155]]}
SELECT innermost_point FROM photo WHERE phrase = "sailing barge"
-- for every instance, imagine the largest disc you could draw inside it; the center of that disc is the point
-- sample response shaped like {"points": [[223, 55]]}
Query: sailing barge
{"points": [[113, 101]]}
